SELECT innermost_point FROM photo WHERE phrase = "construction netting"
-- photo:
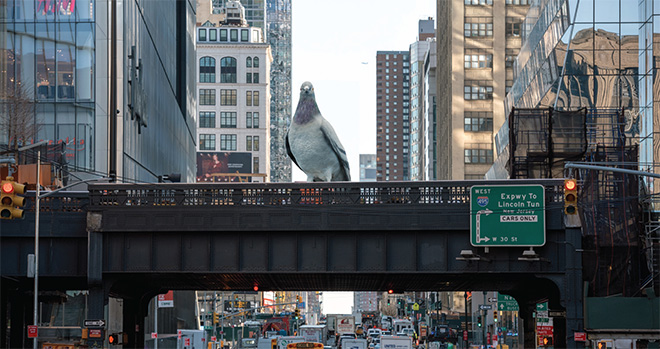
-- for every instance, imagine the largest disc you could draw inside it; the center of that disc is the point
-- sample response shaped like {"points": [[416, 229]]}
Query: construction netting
{"points": [[541, 141]]}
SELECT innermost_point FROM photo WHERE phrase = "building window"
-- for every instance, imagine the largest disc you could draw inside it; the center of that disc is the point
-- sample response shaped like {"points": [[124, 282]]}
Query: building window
{"points": [[478, 27], [244, 35], [206, 142], [476, 59], [228, 142], [255, 165], [510, 57], [233, 35], [513, 26], [517, 2], [479, 153], [227, 97], [228, 119], [248, 120], [256, 62], [207, 69], [201, 34], [255, 143], [213, 35], [478, 121], [255, 78], [228, 70], [248, 78], [248, 62], [248, 143], [255, 98], [248, 98], [255, 120], [206, 96], [478, 2], [476, 90], [207, 119], [223, 34]]}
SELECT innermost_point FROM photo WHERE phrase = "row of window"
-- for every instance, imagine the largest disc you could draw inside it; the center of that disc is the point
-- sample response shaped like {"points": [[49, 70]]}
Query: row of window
{"points": [[227, 142], [207, 70], [227, 97], [478, 156], [227, 119], [478, 90], [226, 35], [483, 27], [478, 58], [478, 121]]}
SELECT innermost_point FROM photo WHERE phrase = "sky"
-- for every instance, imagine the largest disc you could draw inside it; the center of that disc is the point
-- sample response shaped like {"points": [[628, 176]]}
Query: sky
{"points": [[334, 47]]}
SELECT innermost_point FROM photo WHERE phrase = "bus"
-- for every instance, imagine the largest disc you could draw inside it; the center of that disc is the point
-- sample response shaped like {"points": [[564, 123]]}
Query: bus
{"points": [[305, 345]]}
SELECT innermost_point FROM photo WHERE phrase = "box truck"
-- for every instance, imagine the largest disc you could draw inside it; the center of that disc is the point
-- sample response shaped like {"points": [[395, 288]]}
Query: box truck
{"points": [[395, 342]]}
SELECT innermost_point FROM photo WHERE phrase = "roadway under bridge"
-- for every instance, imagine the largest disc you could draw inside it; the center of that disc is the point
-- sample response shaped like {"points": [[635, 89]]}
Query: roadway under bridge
{"points": [[133, 241]]}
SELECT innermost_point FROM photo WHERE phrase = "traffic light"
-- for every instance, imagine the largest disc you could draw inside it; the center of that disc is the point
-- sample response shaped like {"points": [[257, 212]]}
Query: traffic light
{"points": [[298, 299], [545, 341], [11, 202], [113, 339], [216, 318], [570, 196], [479, 321], [388, 301], [296, 314], [602, 345], [495, 316]]}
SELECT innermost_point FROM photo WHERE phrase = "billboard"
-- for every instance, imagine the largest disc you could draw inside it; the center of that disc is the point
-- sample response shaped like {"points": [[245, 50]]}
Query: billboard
{"points": [[223, 166]]}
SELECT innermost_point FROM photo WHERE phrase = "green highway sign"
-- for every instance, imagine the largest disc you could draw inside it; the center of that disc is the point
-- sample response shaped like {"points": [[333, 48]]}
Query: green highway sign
{"points": [[506, 303], [507, 215]]}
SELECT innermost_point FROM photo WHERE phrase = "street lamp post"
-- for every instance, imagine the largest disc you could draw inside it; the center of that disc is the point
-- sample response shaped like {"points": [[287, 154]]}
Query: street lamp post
{"points": [[38, 196], [36, 237]]}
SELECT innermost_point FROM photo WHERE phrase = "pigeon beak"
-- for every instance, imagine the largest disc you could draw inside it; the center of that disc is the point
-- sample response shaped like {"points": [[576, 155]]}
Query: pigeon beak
{"points": [[306, 89]]}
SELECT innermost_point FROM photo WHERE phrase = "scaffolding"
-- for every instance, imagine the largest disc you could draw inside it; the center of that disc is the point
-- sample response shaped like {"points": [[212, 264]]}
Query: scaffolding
{"points": [[620, 254]]}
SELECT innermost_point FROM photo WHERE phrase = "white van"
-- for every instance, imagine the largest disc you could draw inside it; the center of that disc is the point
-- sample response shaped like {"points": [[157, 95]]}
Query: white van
{"points": [[399, 324]]}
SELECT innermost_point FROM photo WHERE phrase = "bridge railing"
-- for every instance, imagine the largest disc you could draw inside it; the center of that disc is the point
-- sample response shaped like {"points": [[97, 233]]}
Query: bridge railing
{"points": [[63, 201], [108, 195]]}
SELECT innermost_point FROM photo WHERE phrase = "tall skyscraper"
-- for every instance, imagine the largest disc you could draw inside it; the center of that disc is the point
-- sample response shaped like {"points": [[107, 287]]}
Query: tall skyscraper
{"points": [[233, 98], [108, 84], [474, 72], [274, 16], [392, 115], [279, 37], [418, 51]]}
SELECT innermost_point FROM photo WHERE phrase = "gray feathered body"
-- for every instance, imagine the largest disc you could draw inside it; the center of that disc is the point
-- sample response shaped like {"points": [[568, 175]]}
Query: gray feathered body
{"points": [[313, 144]]}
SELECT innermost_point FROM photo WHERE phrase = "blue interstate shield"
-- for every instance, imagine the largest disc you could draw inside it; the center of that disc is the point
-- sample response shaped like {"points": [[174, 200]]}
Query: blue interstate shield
{"points": [[482, 201]]}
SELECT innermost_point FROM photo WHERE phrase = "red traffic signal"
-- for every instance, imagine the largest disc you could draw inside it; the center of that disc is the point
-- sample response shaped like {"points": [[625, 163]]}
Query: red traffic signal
{"points": [[10, 201], [570, 196], [113, 339]]}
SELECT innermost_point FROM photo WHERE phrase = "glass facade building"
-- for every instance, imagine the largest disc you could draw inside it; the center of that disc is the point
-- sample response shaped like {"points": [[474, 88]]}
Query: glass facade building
{"points": [[578, 54], [59, 54], [649, 90], [48, 55]]}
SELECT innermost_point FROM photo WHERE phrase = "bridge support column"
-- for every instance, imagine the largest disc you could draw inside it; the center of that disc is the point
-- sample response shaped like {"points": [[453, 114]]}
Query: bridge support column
{"points": [[133, 322], [571, 294]]}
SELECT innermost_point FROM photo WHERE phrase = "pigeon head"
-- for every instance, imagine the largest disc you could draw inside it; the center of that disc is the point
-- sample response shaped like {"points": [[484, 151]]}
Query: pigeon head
{"points": [[307, 106], [307, 90]]}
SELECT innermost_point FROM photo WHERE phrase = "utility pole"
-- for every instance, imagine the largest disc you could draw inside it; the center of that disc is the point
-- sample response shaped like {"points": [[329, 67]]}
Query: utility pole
{"points": [[466, 317]]}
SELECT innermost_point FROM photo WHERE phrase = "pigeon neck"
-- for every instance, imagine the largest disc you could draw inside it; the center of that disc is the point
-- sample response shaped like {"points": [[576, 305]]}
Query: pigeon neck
{"points": [[306, 110]]}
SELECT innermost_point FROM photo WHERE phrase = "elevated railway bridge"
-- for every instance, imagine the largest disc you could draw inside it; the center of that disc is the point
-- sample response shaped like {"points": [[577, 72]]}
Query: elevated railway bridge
{"points": [[133, 241]]}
